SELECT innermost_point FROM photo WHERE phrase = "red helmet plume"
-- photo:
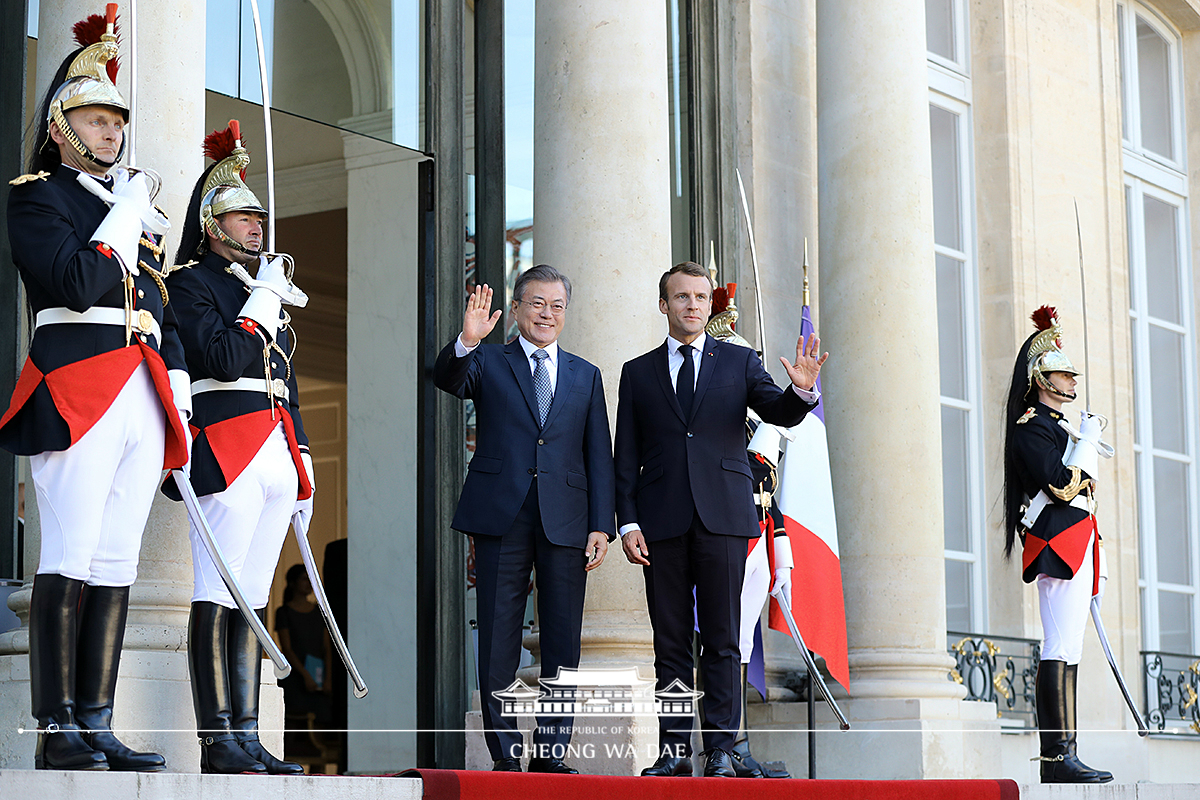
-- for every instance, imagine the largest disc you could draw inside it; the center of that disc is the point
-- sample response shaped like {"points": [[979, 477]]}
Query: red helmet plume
{"points": [[219, 145]]}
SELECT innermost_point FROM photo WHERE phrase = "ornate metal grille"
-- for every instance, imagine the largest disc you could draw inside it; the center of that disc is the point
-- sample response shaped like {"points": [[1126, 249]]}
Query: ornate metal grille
{"points": [[1172, 683], [998, 669]]}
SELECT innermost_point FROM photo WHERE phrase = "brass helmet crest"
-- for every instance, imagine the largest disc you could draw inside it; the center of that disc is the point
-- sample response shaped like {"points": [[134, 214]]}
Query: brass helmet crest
{"points": [[1045, 351], [89, 80], [724, 311], [225, 188]]}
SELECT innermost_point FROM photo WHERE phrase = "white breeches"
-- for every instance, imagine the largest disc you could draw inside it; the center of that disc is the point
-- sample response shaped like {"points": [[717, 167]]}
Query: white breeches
{"points": [[94, 497], [755, 587], [1065, 608], [249, 520]]}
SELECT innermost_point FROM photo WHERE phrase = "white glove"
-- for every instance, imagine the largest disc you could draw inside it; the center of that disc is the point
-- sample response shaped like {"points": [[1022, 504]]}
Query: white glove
{"points": [[273, 276], [783, 566], [1086, 453], [184, 416], [264, 308], [1099, 595], [1089, 428], [121, 228], [304, 508], [130, 213], [783, 583]]}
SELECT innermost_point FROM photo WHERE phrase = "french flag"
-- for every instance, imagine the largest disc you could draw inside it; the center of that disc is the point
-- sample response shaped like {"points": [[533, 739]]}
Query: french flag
{"points": [[805, 498]]}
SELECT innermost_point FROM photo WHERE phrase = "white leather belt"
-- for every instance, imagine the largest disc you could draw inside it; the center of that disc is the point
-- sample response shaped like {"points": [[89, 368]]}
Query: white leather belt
{"points": [[276, 388], [1042, 500], [143, 321]]}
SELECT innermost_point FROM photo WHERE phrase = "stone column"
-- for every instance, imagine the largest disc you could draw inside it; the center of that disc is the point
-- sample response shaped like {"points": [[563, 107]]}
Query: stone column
{"points": [[602, 215], [879, 317], [153, 691]]}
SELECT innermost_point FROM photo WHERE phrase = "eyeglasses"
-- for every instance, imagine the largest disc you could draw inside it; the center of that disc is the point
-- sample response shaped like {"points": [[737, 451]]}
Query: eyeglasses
{"points": [[539, 305]]}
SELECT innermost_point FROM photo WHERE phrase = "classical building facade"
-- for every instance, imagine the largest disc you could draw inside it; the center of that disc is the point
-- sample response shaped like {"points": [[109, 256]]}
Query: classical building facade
{"points": [[932, 153]]}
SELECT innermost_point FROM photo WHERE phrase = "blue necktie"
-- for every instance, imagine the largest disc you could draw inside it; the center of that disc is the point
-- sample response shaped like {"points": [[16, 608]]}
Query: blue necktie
{"points": [[541, 385]]}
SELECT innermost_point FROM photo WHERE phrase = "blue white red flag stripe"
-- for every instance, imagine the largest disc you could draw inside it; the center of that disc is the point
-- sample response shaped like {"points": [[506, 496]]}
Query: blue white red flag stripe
{"points": [[805, 499]]}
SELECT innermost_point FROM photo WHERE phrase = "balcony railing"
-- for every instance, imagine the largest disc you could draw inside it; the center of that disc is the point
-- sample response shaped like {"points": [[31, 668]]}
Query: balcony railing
{"points": [[1172, 681], [998, 669]]}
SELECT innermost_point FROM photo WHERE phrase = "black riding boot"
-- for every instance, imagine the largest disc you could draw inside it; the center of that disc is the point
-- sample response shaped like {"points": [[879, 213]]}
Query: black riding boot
{"points": [[219, 751], [101, 632], [1072, 674], [245, 665], [743, 763], [53, 612], [1056, 724]]}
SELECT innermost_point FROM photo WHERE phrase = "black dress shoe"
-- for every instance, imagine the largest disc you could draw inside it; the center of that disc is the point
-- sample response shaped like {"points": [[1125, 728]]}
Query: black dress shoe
{"points": [[668, 767], [720, 765], [553, 765], [745, 766], [506, 765]]}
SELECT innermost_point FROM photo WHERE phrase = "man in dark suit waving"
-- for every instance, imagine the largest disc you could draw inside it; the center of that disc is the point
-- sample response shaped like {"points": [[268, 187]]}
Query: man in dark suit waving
{"points": [[685, 503], [539, 493]]}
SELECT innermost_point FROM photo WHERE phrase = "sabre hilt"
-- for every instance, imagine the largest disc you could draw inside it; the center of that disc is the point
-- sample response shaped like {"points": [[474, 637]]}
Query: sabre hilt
{"points": [[152, 176], [293, 295], [1104, 448]]}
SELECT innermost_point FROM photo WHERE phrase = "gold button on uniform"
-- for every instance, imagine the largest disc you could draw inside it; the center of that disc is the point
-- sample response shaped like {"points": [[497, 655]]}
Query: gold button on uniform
{"points": [[141, 294]]}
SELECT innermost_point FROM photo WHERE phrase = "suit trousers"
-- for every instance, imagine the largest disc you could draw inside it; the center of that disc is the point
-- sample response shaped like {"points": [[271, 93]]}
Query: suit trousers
{"points": [[714, 567], [502, 572]]}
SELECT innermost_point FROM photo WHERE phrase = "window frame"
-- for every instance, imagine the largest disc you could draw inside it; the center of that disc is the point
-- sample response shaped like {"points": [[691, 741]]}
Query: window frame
{"points": [[1128, 15], [1149, 174], [950, 91]]}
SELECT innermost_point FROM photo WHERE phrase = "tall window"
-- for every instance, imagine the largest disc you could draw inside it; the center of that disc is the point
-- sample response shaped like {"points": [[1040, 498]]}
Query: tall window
{"points": [[958, 347], [1161, 314]]}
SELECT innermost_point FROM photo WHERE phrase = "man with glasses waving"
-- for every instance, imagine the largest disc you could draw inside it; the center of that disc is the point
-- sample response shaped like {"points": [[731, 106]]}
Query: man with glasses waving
{"points": [[539, 493]]}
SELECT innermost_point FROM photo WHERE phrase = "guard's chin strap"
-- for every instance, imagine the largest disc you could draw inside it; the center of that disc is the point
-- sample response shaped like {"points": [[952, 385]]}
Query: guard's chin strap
{"points": [[214, 230], [1051, 388]]}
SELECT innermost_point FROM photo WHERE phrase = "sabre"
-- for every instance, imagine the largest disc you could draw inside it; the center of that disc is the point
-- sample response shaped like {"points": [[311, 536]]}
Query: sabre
{"points": [[335, 633], [1087, 373], [298, 298], [814, 673], [200, 523], [758, 311], [1112, 662], [1106, 449], [131, 131], [266, 104]]}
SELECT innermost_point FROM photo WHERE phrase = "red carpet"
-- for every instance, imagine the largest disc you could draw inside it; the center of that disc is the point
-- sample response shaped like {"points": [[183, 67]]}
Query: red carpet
{"points": [[471, 785]]}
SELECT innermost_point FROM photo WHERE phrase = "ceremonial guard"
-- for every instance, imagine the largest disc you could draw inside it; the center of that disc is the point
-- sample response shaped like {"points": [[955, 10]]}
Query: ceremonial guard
{"points": [[1049, 473], [251, 467], [94, 407]]}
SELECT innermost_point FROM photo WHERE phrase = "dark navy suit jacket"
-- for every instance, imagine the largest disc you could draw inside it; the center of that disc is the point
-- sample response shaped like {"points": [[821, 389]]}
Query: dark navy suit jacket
{"points": [[669, 467], [571, 454]]}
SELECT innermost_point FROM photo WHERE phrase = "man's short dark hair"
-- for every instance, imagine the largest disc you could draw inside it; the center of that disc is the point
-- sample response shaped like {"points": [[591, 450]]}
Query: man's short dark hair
{"points": [[687, 268], [542, 273]]}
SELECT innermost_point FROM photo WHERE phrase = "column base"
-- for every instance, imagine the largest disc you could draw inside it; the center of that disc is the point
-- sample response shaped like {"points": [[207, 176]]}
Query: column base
{"points": [[889, 738], [153, 710]]}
